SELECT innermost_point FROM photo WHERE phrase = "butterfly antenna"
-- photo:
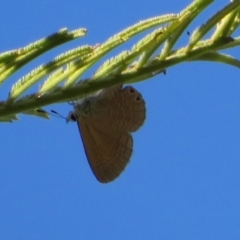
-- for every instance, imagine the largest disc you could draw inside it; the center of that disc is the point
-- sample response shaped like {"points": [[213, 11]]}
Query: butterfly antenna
{"points": [[56, 114], [52, 113]]}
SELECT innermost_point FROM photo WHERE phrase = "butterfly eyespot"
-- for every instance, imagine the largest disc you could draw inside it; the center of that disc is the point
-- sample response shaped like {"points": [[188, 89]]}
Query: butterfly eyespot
{"points": [[131, 90], [138, 98]]}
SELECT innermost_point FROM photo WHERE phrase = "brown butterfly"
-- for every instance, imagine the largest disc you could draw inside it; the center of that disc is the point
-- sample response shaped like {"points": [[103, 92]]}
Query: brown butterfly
{"points": [[105, 122]]}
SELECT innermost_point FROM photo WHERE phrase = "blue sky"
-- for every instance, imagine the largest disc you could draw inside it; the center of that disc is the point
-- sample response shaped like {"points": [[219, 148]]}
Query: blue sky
{"points": [[183, 179]]}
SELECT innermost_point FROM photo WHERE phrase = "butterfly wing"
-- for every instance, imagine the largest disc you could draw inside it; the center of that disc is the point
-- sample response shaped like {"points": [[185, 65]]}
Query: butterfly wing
{"points": [[108, 151], [104, 122]]}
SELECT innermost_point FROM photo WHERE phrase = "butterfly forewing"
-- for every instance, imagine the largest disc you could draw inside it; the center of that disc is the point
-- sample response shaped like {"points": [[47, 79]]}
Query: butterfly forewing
{"points": [[107, 152]]}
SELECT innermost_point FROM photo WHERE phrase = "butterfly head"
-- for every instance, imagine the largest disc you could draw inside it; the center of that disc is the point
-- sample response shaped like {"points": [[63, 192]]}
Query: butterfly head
{"points": [[83, 109], [72, 117]]}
